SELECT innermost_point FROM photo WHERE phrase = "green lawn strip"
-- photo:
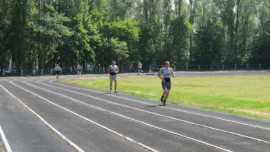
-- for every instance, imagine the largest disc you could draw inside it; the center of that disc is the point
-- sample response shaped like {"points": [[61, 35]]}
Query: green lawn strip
{"points": [[242, 95]]}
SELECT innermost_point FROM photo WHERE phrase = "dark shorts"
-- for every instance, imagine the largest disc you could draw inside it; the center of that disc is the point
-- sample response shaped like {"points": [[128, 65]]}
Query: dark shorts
{"points": [[79, 70], [139, 68], [57, 72], [166, 85]]}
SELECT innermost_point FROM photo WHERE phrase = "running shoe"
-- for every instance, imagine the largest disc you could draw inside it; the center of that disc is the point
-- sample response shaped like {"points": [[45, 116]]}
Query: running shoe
{"points": [[162, 98], [115, 91], [110, 91], [164, 102]]}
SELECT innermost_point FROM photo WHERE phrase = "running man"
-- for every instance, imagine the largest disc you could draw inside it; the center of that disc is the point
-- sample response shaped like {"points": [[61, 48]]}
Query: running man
{"points": [[79, 68], [166, 71], [57, 70], [113, 70], [140, 67]]}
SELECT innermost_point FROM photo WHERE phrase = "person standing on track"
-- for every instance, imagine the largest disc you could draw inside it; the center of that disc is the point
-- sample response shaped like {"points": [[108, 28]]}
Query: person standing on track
{"points": [[113, 70], [57, 70], [166, 71], [140, 67], [79, 68]]}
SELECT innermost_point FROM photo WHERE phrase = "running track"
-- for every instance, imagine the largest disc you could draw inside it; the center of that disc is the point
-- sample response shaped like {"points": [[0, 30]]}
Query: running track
{"points": [[37, 114]]}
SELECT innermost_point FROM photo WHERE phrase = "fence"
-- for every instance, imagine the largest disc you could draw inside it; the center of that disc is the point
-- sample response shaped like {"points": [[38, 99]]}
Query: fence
{"points": [[150, 69]]}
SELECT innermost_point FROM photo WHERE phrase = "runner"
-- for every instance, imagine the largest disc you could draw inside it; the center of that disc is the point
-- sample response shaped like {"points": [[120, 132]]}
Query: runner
{"points": [[79, 68], [140, 67], [113, 70], [166, 81], [57, 70]]}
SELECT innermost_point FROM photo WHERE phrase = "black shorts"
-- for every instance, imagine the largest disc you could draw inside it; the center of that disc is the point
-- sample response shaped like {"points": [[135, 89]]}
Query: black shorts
{"points": [[57, 72], [166, 85], [79, 70]]}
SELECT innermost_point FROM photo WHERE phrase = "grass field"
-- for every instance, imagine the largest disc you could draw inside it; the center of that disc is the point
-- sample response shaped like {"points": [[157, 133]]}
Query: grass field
{"points": [[243, 95]]}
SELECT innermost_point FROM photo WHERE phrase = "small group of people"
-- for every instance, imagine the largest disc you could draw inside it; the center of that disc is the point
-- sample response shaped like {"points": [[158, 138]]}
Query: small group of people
{"points": [[57, 70], [164, 74]]}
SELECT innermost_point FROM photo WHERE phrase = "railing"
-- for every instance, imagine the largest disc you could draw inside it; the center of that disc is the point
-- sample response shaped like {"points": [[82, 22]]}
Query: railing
{"points": [[148, 69]]}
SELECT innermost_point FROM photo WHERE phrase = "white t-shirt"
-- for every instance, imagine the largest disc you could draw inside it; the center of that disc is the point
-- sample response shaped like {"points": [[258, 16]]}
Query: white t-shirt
{"points": [[140, 65], [113, 68], [79, 67], [57, 68], [167, 72]]}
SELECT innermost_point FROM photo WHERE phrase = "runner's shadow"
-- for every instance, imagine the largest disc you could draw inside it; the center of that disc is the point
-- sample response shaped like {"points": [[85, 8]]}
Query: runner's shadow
{"points": [[159, 105]]}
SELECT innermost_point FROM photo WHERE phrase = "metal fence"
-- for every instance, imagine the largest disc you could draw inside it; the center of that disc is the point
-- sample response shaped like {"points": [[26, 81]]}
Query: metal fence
{"points": [[148, 69]]}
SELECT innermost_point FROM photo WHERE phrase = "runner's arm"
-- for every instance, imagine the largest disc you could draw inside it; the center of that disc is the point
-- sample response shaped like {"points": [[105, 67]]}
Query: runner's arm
{"points": [[109, 69], [117, 70], [159, 74], [173, 74]]}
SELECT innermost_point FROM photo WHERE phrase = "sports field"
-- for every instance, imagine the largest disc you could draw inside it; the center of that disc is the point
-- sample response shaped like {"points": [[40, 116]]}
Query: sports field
{"points": [[243, 95]]}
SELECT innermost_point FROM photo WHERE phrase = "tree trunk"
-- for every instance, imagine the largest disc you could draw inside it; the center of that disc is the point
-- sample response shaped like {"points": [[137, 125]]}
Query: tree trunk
{"points": [[145, 10], [178, 7], [238, 8], [192, 15]]}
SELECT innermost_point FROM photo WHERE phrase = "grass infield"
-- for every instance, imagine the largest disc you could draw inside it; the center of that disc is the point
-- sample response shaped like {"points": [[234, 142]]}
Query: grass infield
{"points": [[242, 95]]}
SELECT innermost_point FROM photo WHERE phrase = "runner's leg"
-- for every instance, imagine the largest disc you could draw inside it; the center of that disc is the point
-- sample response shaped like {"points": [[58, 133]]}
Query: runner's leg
{"points": [[111, 81], [115, 86]]}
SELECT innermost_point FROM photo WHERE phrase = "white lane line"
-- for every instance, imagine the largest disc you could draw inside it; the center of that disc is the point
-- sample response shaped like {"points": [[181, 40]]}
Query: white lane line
{"points": [[141, 122], [104, 127], [197, 114], [4, 139], [46, 123], [183, 111], [216, 129]]}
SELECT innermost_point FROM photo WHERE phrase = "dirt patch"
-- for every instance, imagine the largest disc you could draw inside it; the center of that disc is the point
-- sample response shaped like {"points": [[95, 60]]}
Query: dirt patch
{"points": [[2, 149], [134, 91], [254, 112]]}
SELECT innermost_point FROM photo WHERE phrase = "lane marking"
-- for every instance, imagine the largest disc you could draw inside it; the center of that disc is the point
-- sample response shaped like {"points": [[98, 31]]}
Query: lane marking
{"points": [[45, 122], [4, 139], [97, 124], [178, 110], [183, 111], [188, 122], [141, 122]]}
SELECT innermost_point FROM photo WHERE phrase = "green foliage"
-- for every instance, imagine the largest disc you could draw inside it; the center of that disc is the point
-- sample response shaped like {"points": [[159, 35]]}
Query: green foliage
{"points": [[5, 21], [70, 31], [261, 50], [209, 46], [148, 44], [179, 34], [125, 31]]}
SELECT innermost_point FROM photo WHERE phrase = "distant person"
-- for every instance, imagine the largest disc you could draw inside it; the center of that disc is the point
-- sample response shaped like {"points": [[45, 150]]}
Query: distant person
{"points": [[79, 70], [166, 81], [113, 70], [57, 70], [140, 68]]}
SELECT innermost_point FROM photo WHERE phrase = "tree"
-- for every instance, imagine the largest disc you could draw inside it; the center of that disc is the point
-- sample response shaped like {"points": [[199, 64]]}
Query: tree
{"points": [[50, 27], [227, 15], [167, 9], [260, 53], [178, 7], [5, 21], [192, 16], [149, 43], [18, 36], [208, 48], [179, 34]]}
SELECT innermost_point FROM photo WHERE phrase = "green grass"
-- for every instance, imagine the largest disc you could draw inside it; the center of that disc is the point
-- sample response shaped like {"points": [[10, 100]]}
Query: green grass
{"points": [[243, 95]]}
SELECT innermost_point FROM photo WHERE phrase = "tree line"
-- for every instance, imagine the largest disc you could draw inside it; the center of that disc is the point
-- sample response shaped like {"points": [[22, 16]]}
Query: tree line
{"points": [[40, 33]]}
